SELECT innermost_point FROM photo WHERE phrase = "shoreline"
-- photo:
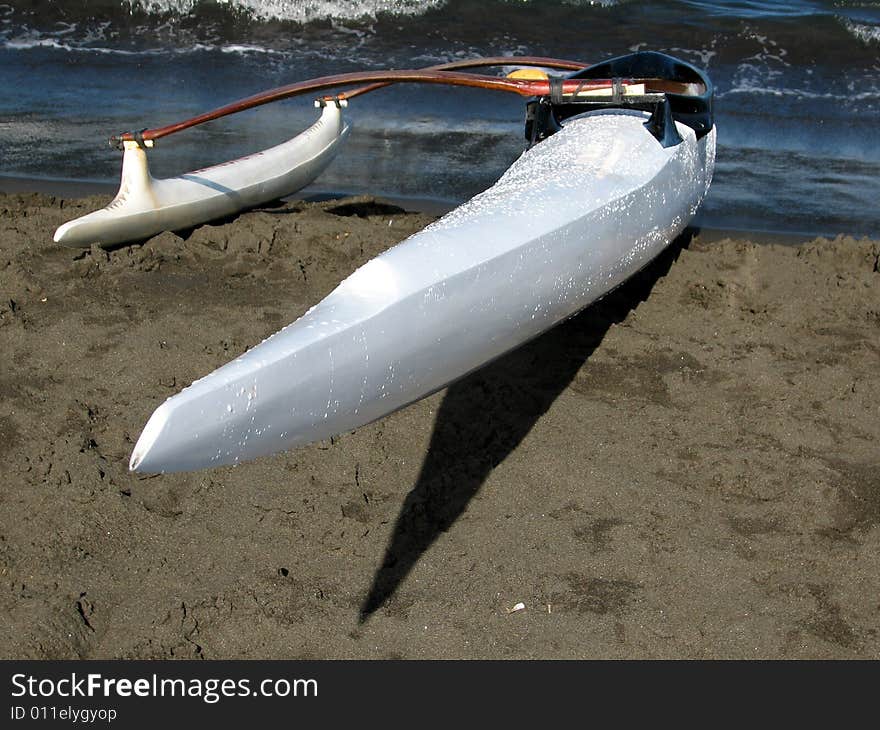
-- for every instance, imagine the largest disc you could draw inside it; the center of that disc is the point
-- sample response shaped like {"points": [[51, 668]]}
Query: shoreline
{"points": [[685, 469], [76, 189]]}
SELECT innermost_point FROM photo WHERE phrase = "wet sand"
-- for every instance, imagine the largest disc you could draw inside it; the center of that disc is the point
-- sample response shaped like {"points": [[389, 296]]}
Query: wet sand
{"points": [[688, 468]]}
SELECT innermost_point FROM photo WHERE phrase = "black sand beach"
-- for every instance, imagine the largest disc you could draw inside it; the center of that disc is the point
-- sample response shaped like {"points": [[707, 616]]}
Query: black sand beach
{"points": [[688, 468]]}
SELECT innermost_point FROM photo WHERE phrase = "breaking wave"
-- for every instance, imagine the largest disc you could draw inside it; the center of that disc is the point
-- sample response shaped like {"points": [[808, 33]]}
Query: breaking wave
{"points": [[863, 32], [298, 12]]}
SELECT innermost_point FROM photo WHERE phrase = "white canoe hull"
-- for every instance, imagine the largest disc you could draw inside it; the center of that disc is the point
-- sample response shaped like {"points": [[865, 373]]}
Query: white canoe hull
{"points": [[145, 206], [574, 217]]}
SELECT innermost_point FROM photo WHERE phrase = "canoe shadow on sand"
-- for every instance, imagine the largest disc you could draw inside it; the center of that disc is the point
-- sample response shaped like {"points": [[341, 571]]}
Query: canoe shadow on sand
{"points": [[485, 416]]}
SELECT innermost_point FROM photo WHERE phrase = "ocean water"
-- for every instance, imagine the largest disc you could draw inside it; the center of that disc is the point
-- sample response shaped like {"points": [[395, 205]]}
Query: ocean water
{"points": [[797, 91]]}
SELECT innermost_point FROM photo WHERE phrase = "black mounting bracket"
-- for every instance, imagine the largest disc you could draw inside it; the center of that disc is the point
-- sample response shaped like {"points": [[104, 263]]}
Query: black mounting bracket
{"points": [[543, 118], [545, 115]]}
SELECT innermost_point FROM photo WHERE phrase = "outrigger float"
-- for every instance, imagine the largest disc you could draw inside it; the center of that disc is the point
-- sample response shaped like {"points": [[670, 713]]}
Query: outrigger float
{"points": [[620, 156]]}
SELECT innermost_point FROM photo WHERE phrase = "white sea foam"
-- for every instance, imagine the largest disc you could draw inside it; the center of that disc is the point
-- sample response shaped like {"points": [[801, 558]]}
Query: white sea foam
{"points": [[28, 43], [302, 11], [799, 93], [20, 44], [864, 33]]}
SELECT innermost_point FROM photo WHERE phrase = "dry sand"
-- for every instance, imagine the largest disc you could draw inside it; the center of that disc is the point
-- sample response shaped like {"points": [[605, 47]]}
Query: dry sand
{"points": [[687, 469]]}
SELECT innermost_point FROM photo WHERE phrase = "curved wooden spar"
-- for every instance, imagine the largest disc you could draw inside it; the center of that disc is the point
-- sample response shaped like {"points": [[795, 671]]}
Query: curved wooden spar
{"points": [[534, 61], [523, 61], [522, 87]]}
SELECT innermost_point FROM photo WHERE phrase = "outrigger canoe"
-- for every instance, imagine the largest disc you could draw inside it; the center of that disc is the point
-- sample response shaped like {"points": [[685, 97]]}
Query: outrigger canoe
{"points": [[612, 175]]}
